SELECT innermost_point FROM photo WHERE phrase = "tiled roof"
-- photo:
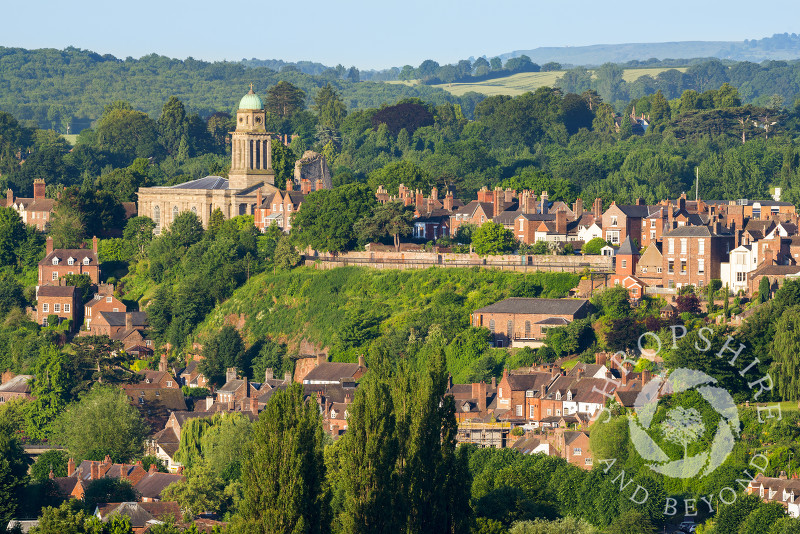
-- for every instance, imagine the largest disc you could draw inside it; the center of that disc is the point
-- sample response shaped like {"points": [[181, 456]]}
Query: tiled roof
{"points": [[633, 210], [18, 384], [118, 318], [627, 248], [153, 484], [332, 372], [538, 306], [63, 254], [56, 291], [535, 381]]}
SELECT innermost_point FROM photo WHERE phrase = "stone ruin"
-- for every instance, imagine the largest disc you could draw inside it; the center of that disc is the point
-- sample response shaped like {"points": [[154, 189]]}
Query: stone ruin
{"points": [[314, 168]]}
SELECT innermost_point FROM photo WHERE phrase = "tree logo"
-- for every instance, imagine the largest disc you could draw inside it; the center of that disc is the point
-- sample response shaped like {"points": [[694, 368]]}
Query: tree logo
{"points": [[684, 426]]}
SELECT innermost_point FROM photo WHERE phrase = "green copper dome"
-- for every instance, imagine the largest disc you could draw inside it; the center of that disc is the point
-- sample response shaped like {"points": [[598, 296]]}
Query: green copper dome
{"points": [[251, 100]]}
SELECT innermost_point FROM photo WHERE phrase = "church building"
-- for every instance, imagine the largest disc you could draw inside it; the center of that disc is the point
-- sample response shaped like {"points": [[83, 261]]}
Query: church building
{"points": [[250, 178]]}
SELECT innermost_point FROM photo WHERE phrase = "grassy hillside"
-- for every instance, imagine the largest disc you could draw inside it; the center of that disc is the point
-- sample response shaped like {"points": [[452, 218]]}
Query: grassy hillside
{"points": [[350, 309], [516, 84]]}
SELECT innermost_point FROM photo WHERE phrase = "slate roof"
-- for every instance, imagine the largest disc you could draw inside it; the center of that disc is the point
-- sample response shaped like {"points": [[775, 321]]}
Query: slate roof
{"points": [[63, 254], [558, 321], [539, 306], [18, 384], [153, 484], [168, 441], [331, 392], [209, 182], [627, 248], [331, 372], [776, 270], [526, 445], [139, 512], [634, 210], [56, 291], [118, 318], [695, 231], [535, 381]]}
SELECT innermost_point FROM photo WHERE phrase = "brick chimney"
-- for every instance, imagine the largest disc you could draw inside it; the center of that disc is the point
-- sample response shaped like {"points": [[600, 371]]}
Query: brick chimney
{"points": [[682, 202], [321, 358], [580, 372], [123, 472], [543, 202], [70, 467], [230, 374], [152, 469], [268, 374], [494, 383], [509, 195], [670, 217], [49, 245], [362, 362], [38, 189], [9, 197], [434, 194], [577, 208], [305, 186], [162, 363], [320, 186], [129, 320], [597, 208], [419, 199], [497, 207], [290, 184], [479, 394], [95, 470], [287, 376], [640, 201], [448, 201], [94, 244], [645, 377], [561, 222], [259, 200], [767, 256]]}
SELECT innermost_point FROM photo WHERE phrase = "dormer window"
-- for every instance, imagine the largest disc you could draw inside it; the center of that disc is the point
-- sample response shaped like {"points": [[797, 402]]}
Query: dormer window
{"points": [[71, 261], [55, 261], [86, 261], [558, 395], [569, 395]]}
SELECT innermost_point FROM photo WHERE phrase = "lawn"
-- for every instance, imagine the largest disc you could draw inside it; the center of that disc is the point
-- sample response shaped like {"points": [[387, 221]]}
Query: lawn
{"points": [[516, 84]]}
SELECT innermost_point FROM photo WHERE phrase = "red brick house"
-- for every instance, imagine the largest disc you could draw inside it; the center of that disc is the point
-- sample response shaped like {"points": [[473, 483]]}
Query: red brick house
{"points": [[102, 302], [63, 301], [622, 221], [519, 321], [277, 209], [61, 262], [35, 211], [15, 387], [692, 255]]}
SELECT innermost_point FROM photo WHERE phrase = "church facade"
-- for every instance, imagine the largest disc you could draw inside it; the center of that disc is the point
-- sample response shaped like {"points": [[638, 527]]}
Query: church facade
{"points": [[250, 178]]}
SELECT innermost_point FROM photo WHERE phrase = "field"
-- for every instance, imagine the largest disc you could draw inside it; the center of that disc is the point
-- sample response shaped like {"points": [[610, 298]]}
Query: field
{"points": [[516, 84]]}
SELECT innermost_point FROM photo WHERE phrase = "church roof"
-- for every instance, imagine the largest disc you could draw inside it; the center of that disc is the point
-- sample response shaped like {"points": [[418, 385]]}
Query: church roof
{"points": [[251, 101], [209, 182]]}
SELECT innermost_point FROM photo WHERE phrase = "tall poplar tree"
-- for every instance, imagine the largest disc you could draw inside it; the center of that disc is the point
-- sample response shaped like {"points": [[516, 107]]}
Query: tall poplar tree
{"points": [[284, 470]]}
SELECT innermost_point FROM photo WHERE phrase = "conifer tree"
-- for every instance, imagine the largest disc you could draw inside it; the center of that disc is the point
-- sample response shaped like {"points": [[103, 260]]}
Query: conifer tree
{"points": [[284, 471]]}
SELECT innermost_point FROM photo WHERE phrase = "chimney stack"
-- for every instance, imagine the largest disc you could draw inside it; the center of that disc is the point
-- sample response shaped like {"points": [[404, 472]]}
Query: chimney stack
{"points": [[230, 374], [95, 470], [434, 194], [49, 245], [362, 362], [543, 202], [305, 186], [561, 222], [70, 467], [290, 184], [419, 199], [640, 201], [597, 209], [509, 195], [9, 197], [152, 469], [578, 208], [162, 363], [94, 244], [321, 358], [682, 202], [670, 218], [287, 377], [123, 472], [320, 186], [259, 200], [268, 374], [38, 189], [448, 201], [129, 320]]}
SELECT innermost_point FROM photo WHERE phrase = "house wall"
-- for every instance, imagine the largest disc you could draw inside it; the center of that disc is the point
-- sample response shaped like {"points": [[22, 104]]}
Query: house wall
{"points": [[716, 250]]}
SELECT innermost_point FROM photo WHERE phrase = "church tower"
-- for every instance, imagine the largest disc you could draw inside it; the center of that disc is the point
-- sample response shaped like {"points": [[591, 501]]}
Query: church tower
{"points": [[251, 146]]}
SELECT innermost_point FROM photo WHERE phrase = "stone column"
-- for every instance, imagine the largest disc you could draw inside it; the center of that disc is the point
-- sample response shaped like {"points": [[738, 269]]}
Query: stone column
{"points": [[269, 152]]}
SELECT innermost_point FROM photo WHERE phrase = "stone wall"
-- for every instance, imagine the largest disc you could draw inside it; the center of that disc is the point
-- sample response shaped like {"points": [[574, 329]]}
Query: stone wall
{"points": [[424, 260]]}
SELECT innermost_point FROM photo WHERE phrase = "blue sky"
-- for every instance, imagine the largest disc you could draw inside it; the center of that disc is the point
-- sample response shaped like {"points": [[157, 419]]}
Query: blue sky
{"points": [[378, 34]]}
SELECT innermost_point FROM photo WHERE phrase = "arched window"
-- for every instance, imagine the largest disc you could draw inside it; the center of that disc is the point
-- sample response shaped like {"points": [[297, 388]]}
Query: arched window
{"points": [[157, 215], [491, 326], [174, 212], [194, 210]]}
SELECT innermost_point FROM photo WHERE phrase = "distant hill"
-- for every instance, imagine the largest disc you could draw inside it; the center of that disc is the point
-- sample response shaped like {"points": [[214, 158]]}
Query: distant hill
{"points": [[778, 47]]}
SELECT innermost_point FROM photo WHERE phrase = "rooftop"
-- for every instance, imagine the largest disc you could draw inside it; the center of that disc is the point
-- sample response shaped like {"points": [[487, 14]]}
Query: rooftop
{"points": [[538, 306]]}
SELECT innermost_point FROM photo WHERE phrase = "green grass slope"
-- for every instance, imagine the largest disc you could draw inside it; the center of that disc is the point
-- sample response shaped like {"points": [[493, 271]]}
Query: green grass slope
{"points": [[348, 308]]}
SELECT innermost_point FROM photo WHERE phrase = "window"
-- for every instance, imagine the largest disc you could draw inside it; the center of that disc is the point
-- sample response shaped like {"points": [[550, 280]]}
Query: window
{"points": [[558, 411], [169, 383], [659, 270], [44, 321], [612, 236], [653, 234], [71, 261], [519, 410], [55, 275], [588, 461], [701, 266], [613, 220], [684, 247], [500, 392], [741, 277], [624, 263], [530, 413], [670, 266], [55, 261], [670, 246], [509, 329], [683, 266], [174, 212], [549, 411], [56, 307], [576, 451], [108, 299], [671, 284], [527, 329], [194, 210], [157, 215], [116, 309], [701, 246], [491, 326], [45, 307], [520, 224], [66, 307], [529, 393], [652, 223]]}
